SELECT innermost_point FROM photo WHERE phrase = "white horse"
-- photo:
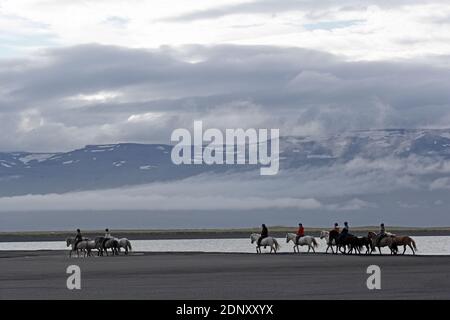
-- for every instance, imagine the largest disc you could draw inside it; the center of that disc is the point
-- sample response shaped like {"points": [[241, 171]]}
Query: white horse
{"points": [[124, 243], [303, 241], [326, 235], [85, 246], [269, 241]]}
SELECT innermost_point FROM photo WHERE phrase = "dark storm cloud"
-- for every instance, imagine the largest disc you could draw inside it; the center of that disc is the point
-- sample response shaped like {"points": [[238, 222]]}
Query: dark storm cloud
{"points": [[97, 94]]}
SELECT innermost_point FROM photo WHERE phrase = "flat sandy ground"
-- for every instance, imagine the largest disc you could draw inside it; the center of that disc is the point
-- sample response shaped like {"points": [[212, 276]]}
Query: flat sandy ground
{"points": [[42, 275]]}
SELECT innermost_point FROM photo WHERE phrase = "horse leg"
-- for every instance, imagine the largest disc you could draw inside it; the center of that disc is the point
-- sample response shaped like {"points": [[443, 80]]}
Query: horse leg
{"points": [[409, 245], [379, 248]]}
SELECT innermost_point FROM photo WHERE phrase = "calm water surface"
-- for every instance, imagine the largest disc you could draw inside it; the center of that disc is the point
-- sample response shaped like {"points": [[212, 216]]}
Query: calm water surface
{"points": [[434, 245]]}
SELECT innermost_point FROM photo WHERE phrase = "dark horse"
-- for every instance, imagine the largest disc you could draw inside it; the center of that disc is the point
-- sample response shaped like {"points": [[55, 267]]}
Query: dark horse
{"points": [[364, 242], [353, 243]]}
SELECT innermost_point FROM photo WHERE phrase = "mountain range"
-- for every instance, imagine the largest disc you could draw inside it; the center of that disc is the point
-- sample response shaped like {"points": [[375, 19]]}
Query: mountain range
{"points": [[115, 165]]}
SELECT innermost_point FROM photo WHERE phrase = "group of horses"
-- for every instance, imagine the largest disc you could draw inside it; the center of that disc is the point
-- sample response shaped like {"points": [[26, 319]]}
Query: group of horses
{"points": [[101, 244], [349, 244]]}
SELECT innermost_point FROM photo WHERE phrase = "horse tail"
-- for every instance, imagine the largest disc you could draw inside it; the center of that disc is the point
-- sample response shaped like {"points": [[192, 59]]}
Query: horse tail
{"points": [[129, 245], [277, 245], [315, 242], [414, 244]]}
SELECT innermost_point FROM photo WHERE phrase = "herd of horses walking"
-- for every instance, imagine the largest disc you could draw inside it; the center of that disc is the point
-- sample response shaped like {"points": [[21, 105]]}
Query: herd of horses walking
{"points": [[338, 242], [80, 244]]}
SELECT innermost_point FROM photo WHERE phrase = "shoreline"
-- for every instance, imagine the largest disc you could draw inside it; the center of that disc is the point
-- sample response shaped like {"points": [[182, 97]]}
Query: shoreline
{"points": [[8, 254], [135, 234]]}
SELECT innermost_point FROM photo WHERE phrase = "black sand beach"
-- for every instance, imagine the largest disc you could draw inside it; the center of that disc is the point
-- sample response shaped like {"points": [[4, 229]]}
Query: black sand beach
{"points": [[42, 275]]}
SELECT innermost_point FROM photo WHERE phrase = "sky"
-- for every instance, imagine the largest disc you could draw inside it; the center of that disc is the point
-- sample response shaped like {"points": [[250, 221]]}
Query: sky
{"points": [[74, 73], [84, 72]]}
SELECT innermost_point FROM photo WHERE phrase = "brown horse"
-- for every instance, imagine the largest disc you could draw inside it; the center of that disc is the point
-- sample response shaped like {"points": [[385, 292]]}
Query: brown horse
{"points": [[393, 241], [404, 241]]}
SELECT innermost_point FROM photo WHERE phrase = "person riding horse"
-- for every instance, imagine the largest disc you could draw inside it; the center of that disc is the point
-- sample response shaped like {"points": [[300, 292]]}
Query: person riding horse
{"points": [[336, 228], [107, 237], [344, 232], [264, 234], [382, 234], [300, 232], [78, 239]]}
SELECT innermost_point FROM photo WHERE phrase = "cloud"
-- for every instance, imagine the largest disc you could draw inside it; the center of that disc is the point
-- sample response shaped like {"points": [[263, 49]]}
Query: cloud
{"points": [[335, 188], [351, 205], [273, 7], [110, 200], [440, 184], [88, 94], [358, 30]]}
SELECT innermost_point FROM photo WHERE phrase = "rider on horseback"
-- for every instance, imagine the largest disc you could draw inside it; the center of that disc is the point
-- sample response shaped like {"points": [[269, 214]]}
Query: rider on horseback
{"points": [[336, 227], [344, 232], [78, 238], [300, 232], [264, 234], [107, 237], [381, 234]]}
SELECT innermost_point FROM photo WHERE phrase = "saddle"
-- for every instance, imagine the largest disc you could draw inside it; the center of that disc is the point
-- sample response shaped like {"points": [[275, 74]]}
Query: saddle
{"points": [[298, 239]]}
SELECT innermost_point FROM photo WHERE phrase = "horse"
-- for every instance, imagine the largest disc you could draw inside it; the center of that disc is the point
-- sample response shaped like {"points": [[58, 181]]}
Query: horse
{"points": [[124, 243], [364, 242], [387, 241], [269, 241], [404, 241], [303, 241], [99, 245], [86, 246], [331, 238], [82, 245], [351, 241]]}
